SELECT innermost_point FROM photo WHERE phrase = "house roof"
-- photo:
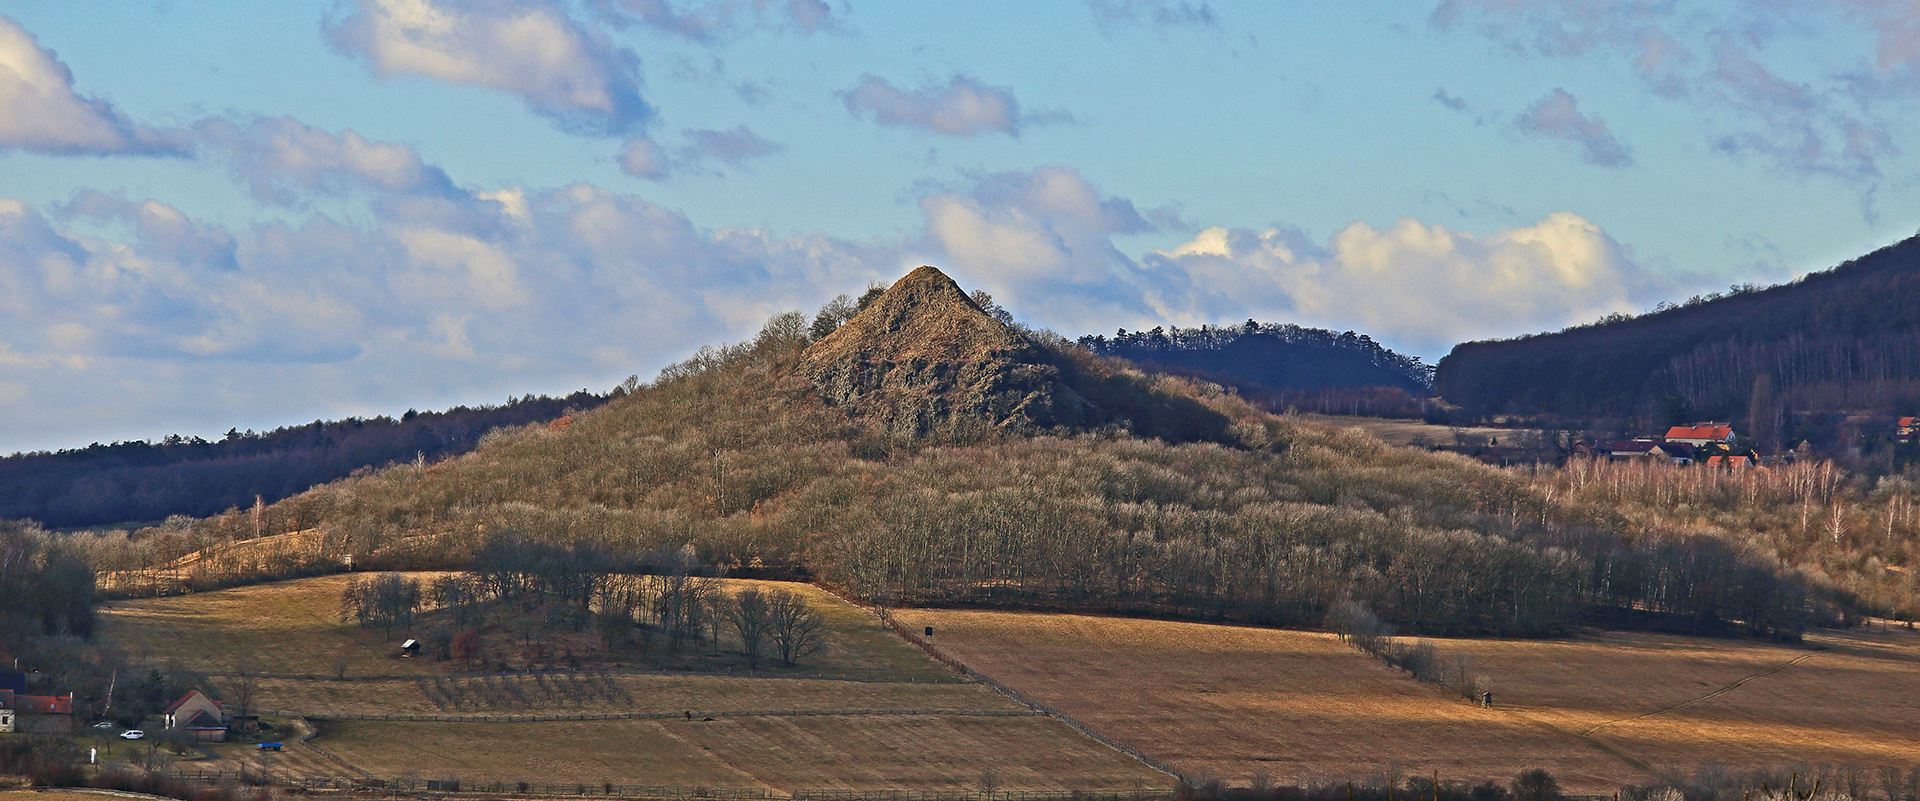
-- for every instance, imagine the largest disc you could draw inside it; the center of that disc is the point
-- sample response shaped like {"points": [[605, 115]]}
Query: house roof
{"points": [[43, 704], [175, 706], [1907, 422], [1708, 431], [1729, 461], [202, 720]]}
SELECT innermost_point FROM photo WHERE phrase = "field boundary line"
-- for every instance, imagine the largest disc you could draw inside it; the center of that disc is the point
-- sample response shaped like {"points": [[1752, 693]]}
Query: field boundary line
{"points": [[749, 713], [1033, 704], [595, 672], [1630, 761], [1709, 696]]}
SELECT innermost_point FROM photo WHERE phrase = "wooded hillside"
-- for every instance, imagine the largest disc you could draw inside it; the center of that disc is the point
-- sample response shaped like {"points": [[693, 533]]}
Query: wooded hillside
{"points": [[739, 460], [1847, 338]]}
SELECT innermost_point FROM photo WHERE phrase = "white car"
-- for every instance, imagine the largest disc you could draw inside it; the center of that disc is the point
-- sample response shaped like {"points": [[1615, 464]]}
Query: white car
{"points": [[132, 734], [105, 724]]}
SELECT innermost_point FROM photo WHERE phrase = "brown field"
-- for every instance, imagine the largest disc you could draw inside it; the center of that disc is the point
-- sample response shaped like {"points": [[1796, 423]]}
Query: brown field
{"points": [[928, 741], [293, 628], [1233, 703], [784, 753], [643, 693], [1847, 698]]}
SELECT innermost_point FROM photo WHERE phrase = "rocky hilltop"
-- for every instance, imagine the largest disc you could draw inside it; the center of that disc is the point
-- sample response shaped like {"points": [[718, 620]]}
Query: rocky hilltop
{"points": [[924, 360]]}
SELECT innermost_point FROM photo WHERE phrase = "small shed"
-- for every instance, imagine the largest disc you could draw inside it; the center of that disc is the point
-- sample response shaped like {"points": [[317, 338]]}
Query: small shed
{"points": [[410, 648]]}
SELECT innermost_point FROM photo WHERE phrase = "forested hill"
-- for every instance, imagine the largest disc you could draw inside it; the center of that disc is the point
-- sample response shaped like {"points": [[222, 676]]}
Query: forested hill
{"points": [[129, 482], [1846, 338], [1274, 357], [923, 450]]}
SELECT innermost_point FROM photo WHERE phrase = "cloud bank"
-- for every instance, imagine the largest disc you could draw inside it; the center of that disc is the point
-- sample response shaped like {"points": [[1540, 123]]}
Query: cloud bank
{"points": [[41, 113]]}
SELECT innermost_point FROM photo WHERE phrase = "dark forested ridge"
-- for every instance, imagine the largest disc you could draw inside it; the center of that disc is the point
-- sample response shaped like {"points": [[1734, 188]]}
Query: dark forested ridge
{"points": [[1847, 338], [146, 481], [1275, 357]]}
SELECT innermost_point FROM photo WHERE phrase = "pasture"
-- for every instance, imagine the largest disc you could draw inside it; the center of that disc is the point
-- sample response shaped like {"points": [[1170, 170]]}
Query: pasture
{"points": [[1599, 712]]}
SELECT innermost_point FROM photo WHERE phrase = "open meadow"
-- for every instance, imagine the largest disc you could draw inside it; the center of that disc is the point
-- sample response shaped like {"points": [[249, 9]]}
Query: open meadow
{"points": [[1598, 711]]}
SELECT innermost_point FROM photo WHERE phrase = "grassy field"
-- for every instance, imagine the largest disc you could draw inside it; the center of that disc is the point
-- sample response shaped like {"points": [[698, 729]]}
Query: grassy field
{"points": [[932, 736], [645, 693], [784, 753], [1234, 703], [293, 628]]}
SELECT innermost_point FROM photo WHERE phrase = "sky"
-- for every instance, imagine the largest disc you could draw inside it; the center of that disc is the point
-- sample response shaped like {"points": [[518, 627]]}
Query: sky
{"points": [[219, 215]]}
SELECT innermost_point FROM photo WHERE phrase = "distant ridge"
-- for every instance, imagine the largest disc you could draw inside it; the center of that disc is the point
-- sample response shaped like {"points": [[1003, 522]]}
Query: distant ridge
{"points": [[1847, 338]]}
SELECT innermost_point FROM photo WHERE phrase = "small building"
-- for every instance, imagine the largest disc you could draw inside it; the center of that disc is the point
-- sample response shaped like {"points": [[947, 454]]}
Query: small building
{"points": [[47, 714], [1730, 461], [199, 716], [1907, 430], [410, 648], [1648, 448], [1700, 434]]}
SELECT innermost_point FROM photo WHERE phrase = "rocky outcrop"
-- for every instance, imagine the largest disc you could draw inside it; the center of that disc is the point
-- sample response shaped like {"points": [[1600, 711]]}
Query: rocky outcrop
{"points": [[923, 360]]}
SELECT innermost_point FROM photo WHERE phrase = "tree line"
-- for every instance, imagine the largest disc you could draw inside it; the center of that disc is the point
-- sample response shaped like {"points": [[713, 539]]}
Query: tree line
{"points": [[632, 603], [141, 481]]}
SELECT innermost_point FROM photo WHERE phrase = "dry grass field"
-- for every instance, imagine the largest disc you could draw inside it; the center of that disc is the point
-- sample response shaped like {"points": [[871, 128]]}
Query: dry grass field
{"points": [[1233, 702], [642, 693], [931, 736], [1673, 702], [784, 753], [293, 628]]}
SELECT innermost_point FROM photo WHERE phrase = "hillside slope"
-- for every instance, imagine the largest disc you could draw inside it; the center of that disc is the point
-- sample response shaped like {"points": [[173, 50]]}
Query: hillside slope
{"points": [[1168, 496], [1847, 338]]}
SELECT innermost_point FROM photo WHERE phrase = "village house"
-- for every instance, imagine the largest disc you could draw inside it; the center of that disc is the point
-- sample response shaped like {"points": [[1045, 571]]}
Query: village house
{"points": [[1699, 434], [1730, 461], [46, 714], [1904, 432], [199, 717], [1647, 448]]}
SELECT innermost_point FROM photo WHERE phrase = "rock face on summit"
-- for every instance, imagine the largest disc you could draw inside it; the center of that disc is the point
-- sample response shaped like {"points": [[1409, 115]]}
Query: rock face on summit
{"points": [[924, 359]]}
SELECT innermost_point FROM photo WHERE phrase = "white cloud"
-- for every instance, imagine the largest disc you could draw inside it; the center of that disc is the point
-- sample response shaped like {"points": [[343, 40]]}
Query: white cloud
{"points": [[1557, 115], [644, 158], [280, 158], [530, 48], [40, 112], [1043, 243], [963, 107]]}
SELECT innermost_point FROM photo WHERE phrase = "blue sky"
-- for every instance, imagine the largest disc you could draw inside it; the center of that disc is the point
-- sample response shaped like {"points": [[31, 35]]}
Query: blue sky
{"points": [[219, 215]]}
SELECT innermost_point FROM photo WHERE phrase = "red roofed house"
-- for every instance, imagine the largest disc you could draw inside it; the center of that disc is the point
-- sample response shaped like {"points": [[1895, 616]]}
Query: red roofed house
{"points": [[1730, 462], [1907, 428], [1700, 434], [35, 713], [199, 716]]}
